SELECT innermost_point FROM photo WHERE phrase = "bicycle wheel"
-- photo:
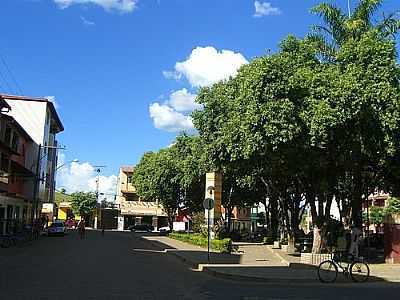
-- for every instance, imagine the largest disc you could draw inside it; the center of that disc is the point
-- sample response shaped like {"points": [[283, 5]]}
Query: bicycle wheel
{"points": [[5, 243], [359, 271], [327, 271]]}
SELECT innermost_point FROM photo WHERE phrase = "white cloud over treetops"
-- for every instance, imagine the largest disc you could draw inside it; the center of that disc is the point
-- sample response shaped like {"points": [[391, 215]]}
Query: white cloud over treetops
{"points": [[123, 6], [265, 9], [173, 114], [166, 118], [206, 66], [183, 101], [77, 176]]}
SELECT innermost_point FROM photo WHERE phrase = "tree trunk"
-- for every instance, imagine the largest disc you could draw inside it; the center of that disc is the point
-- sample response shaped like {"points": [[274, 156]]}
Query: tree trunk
{"points": [[317, 243], [229, 210], [291, 243], [274, 217]]}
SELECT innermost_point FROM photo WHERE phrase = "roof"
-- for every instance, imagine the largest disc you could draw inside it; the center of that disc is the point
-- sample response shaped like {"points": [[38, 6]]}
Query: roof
{"points": [[18, 126], [37, 99], [127, 169], [4, 104]]}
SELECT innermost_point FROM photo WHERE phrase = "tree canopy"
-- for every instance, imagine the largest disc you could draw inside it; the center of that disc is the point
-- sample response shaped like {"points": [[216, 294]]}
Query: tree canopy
{"points": [[83, 203]]}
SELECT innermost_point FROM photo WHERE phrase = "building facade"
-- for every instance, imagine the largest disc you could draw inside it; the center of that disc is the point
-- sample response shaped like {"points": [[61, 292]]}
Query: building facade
{"points": [[39, 124], [133, 209], [16, 174]]}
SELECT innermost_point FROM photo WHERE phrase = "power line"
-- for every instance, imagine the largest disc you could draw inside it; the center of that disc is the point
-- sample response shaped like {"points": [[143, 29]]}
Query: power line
{"points": [[9, 89], [11, 74]]}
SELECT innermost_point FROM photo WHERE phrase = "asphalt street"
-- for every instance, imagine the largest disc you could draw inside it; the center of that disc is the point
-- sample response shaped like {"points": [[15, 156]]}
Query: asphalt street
{"points": [[121, 266]]}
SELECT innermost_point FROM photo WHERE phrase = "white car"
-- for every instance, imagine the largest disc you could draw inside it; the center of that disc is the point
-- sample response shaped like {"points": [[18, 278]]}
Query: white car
{"points": [[56, 228], [164, 230]]}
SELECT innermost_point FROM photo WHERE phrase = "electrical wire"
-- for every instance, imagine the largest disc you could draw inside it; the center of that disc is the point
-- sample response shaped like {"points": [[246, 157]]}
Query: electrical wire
{"points": [[13, 78], [9, 89]]}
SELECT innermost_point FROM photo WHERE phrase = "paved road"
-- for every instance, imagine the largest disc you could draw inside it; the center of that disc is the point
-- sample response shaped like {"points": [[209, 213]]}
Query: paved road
{"points": [[109, 268]]}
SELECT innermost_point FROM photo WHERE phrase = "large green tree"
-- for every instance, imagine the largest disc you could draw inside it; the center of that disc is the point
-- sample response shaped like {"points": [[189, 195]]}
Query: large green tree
{"points": [[83, 203], [339, 27]]}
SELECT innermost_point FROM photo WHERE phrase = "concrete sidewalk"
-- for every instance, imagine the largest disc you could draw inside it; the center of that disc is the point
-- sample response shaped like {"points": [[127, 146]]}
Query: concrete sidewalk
{"points": [[258, 263]]}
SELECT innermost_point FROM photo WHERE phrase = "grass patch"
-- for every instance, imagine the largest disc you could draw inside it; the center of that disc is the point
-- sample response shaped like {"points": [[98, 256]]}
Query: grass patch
{"points": [[223, 246]]}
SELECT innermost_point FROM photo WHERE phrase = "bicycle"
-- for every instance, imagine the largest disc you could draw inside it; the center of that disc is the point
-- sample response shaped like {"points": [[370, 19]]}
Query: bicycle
{"points": [[328, 270]]}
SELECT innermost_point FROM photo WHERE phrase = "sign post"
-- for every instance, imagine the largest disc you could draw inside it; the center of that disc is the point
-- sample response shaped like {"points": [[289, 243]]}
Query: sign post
{"points": [[208, 204]]}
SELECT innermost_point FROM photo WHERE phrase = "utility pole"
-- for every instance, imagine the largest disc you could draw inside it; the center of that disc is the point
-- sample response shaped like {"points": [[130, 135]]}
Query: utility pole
{"points": [[98, 170], [348, 8], [35, 185], [37, 178]]}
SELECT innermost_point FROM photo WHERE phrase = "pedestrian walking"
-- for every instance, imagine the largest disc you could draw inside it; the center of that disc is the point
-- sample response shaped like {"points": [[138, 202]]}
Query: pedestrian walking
{"points": [[356, 234], [81, 228], [102, 230]]}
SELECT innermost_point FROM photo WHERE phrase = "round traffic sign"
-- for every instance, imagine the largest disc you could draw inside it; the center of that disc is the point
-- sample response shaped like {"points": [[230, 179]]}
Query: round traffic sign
{"points": [[208, 203]]}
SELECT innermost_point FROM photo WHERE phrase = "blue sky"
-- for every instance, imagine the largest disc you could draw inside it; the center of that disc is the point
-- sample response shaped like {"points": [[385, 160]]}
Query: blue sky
{"points": [[124, 73]]}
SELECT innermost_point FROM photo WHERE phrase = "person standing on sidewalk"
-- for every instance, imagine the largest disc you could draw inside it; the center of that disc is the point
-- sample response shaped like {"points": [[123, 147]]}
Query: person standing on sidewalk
{"points": [[356, 234]]}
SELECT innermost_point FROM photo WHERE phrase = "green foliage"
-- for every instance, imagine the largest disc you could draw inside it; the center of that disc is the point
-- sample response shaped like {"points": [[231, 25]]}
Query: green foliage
{"points": [[156, 178], [339, 28], [223, 245], [293, 128], [62, 197], [376, 215], [198, 222], [394, 205], [174, 176], [83, 203]]}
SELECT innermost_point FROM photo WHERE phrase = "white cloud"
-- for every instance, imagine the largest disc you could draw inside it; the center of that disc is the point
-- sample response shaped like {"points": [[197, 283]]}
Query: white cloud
{"points": [[265, 9], [87, 22], [77, 176], [123, 6], [172, 75], [206, 66], [183, 101], [166, 118]]}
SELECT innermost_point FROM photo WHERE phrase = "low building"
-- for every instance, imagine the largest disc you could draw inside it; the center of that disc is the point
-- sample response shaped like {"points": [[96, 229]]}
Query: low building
{"points": [[240, 218], [133, 209]]}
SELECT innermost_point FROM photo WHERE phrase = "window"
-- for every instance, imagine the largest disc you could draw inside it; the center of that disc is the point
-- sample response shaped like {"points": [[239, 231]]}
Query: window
{"points": [[130, 179], [132, 197]]}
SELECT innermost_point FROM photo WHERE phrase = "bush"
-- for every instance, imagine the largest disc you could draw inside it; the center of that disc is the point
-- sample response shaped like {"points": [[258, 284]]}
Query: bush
{"points": [[268, 240], [223, 245], [198, 222]]}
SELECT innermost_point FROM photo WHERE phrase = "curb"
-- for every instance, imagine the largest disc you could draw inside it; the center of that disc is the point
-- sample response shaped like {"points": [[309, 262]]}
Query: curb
{"points": [[207, 268]]}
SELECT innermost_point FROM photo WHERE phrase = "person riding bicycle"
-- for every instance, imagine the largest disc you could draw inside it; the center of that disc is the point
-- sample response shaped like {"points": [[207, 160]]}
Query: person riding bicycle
{"points": [[81, 228]]}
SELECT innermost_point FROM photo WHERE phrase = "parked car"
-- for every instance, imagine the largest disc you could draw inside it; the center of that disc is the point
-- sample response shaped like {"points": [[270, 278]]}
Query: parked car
{"points": [[56, 228], [164, 230], [141, 227]]}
